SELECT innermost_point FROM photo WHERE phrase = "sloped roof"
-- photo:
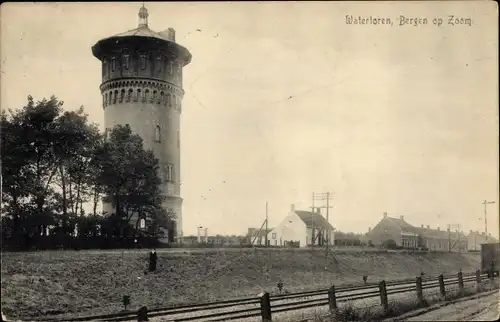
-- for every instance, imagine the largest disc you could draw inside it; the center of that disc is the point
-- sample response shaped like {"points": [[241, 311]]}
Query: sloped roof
{"points": [[434, 233], [475, 233], [313, 219], [403, 225], [256, 232], [429, 232], [141, 31]]}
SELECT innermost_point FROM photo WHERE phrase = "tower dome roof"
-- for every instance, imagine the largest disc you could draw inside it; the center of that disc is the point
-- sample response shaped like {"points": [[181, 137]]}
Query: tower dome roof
{"points": [[142, 31]]}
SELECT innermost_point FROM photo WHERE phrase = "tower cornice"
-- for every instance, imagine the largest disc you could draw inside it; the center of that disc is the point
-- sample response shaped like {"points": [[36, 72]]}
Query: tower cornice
{"points": [[141, 82]]}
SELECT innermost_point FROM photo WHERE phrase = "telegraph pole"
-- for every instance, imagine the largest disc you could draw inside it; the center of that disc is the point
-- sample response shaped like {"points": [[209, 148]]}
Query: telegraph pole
{"points": [[324, 196], [327, 220], [450, 247], [313, 228], [449, 238], [266, 225], [485, 218]]}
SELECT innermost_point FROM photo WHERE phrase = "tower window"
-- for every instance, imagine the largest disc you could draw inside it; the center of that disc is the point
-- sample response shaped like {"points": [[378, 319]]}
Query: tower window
{"points": [[157, 133], [143, 61], [170, 172], [125, 61], [104, 67], [171, 68], [174, 99], [169, 100], [136, 97], [156, 97], [158, 63], [113, 64]]}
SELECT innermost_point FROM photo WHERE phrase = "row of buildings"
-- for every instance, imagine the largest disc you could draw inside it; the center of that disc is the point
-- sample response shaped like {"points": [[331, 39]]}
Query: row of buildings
{"points": [[305, 229]]}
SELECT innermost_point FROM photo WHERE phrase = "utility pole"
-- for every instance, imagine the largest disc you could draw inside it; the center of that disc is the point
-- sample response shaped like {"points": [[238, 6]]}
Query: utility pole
{"points": [[450, 227], [313, 228], [449, 239], [485, 218], [266, 225], [327, 220], [324, 196]]}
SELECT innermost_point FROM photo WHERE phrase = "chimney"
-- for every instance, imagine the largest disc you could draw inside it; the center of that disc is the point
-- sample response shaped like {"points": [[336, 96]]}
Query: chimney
{"points": [[448, 229], [385, 214], [470, 232], [439, 229], [292, 208], [428, 227], [318, 210], [422, 226], [169, 34], [206, 235], [369, 228], [402, 217]]}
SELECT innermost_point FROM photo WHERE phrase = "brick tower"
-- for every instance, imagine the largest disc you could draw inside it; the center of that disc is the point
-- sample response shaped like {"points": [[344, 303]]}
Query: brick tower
{"points": [[142, 87]]}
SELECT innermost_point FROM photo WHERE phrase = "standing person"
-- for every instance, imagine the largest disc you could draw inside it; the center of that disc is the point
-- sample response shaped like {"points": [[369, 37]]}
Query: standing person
{"points": [[153, 257]]}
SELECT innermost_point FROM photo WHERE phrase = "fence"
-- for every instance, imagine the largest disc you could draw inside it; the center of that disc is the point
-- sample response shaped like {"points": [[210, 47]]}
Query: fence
{"points": [[265, 304]]}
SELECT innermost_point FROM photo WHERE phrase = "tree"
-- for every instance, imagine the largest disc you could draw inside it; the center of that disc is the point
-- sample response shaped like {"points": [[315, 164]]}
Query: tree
{"points": [[129, 178], [54, 161], [29, 163], [75, 154]]}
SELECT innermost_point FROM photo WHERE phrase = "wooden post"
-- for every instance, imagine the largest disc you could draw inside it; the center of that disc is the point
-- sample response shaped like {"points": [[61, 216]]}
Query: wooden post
{"points": [[478, 280], [460, 282], [142, 314], [420, 294], [383, 296], [442, 290], [332, 301], [265, 307]]}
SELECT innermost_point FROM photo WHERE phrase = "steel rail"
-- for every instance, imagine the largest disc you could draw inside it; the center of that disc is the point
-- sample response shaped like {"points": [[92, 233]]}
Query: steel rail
{"points": [[360, 292]]}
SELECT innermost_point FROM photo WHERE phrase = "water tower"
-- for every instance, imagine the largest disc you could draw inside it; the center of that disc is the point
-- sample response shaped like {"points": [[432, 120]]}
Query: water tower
{"points": [[142, 87]]}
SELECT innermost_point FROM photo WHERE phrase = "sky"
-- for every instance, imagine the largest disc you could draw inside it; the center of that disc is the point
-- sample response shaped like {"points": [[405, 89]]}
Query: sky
{"points": [[285, 99]]}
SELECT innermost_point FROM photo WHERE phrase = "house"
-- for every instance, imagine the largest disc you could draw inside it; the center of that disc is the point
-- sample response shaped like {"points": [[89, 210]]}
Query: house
{"points": [[214, 240], [257, 236], [443, 240], [475, 239], [302, 229], [398, 232], [395, 231]]}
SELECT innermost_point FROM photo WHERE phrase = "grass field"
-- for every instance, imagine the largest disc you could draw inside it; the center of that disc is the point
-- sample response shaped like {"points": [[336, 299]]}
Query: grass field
{"points": [[53, 282]]}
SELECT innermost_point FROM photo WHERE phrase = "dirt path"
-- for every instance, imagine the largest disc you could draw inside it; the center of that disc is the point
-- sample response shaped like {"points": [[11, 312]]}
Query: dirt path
{"points": [[486, 308]]}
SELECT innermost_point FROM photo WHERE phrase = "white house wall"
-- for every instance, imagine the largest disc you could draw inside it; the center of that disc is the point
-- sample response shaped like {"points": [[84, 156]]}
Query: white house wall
{"points": [[292, 228]]}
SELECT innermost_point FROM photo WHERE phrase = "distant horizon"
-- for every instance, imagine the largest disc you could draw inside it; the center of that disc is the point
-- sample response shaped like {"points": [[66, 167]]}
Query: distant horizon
{"points": [[402, 120]]}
